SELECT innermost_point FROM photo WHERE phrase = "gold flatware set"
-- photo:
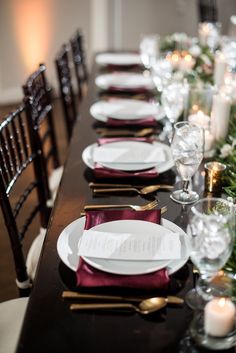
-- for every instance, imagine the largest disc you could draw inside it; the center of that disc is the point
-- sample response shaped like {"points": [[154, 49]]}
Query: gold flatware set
{"points": [[145, 305]]}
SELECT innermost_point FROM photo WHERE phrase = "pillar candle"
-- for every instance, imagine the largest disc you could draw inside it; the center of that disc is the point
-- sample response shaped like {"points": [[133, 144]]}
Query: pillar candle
{"points": [[219, 69], [219, 317], [203, 33], [220, 116]]}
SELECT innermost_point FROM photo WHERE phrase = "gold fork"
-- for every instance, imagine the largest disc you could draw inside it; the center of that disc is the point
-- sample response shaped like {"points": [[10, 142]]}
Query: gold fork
{"points": [[148, 206], [163, 209], [125, 132]]}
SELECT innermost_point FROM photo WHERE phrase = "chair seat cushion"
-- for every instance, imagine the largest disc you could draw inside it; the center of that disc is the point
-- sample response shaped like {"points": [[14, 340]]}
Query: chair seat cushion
{"points": [[34, 253], [54, 181], [11, 318]]}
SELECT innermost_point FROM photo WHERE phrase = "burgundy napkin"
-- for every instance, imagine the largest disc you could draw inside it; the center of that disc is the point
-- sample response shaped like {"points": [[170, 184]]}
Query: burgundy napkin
{"points": [[103, 172], [148, 121], [88, 276], [140, 89]]}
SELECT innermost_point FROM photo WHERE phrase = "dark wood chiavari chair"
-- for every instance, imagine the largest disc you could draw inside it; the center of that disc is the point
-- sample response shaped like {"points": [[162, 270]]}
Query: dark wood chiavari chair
{"points": [[66, 89], [208, 10], [79, 59], [19, 155], [22, 199], [40, 110]]}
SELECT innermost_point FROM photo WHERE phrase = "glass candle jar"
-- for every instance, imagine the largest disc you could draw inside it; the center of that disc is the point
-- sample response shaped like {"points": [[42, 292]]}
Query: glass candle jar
{"points": [[213, 177]]}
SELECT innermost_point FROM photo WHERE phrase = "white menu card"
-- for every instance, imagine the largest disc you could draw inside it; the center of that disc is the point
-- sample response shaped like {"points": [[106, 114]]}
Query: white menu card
{"points": [[128, 246]]}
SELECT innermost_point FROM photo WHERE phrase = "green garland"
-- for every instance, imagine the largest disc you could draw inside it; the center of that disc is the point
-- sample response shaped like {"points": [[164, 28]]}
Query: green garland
{"points": [[225, 149], [226, 153]]}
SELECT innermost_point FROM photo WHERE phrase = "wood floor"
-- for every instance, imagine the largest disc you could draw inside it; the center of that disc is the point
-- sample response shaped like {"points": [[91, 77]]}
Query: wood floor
{"points": [[8, 289]]}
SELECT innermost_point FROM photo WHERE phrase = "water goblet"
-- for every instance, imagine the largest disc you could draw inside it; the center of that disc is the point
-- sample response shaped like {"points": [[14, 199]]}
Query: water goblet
{"points": [[149, 49], [187, 150], [211, 229], [161, 73]]}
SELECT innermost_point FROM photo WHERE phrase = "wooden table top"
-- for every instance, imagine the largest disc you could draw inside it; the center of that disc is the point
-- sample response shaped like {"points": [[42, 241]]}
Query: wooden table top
{"points": [[49, 325]]}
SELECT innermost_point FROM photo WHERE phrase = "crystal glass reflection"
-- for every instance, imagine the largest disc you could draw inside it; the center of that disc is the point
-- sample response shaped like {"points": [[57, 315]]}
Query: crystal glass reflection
{"points": [[149, 49], [173, 102], [211, 229], [187, 151]]}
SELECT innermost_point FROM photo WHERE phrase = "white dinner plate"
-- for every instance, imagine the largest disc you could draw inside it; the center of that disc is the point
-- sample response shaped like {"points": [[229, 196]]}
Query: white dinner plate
{"points": [[124, 80], [67, 248], [122, 59], [123, 109], [161, 167]]}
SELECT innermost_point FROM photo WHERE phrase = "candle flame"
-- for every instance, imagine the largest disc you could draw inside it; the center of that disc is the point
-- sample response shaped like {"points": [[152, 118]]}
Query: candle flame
{"points": [[175, 57], [195, 108], [188, 57], [222, 302]]}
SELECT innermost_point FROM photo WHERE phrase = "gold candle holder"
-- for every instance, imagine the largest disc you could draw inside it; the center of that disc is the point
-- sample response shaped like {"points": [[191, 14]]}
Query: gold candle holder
{"points": [[213, 177]]}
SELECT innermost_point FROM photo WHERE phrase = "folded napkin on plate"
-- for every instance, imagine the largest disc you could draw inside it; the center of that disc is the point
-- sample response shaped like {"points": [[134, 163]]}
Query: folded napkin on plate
{"points": [[147, 121], [88, 276], [104, 172]]}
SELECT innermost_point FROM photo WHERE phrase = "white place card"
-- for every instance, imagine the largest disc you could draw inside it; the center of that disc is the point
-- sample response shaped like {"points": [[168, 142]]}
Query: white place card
{"points": [[119, 154], [127, 246]]}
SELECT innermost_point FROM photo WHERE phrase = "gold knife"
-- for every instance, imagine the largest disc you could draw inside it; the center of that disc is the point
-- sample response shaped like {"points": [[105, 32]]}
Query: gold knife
{"points": [[98, 185], [76, 295]]}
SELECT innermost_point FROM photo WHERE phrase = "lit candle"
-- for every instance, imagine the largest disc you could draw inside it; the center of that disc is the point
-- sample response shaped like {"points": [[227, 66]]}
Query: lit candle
{"points": [[219, 68], [220, 116], [174, 59], [186, 63], [199, 118], [203, 33], [213, 177], [219, 317], [208, 140], [203, 120], [181, 60]]}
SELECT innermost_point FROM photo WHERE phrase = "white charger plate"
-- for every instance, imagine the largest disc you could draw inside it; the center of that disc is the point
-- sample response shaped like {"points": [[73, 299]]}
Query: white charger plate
{"points": [[161, 167], [67, 248], [123, 109], [124, 80], [122, 59]]}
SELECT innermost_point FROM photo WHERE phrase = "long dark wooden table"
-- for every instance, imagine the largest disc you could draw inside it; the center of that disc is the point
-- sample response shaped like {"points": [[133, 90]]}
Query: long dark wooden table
{"points": [[49, 325]]}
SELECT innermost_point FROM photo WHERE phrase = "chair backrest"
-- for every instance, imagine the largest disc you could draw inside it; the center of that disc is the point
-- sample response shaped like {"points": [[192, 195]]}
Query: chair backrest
{"points": [[79, 59], [22, 188], [66, 89], [40, 109], [208, 10]]}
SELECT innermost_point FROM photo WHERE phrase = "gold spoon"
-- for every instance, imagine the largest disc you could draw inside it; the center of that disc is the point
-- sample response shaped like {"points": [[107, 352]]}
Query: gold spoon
{"points": [[145, 307], [144, 191], [91, 296]]}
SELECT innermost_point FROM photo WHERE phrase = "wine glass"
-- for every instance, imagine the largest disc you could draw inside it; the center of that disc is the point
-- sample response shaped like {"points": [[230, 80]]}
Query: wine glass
{"points": [[161, 72], [187, 150], [149, 49], [172, 101], [211, 229]]}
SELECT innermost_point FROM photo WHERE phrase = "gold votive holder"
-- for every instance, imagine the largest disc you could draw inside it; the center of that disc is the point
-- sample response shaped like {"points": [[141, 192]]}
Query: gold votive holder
{"points": [[213, 177]]}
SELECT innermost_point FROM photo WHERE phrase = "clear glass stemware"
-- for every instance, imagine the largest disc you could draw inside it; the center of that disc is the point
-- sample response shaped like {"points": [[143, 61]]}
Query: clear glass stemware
{"points": [[211, 229], [187, 150], [149, 49]]}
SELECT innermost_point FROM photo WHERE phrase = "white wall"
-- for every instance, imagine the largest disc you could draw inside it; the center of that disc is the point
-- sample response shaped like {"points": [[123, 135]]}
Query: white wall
{"points": [[32, 31], [25, 43]]}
